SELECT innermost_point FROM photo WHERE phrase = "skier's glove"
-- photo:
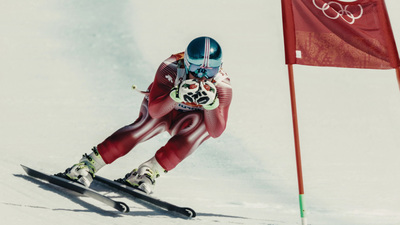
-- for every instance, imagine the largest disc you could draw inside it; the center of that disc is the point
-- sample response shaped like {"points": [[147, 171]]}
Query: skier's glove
{"points": [[207, 95], [185, 91]]}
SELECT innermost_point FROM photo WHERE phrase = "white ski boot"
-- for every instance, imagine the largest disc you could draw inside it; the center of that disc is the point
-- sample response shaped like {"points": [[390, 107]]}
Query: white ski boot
{"points": [[83, 172], [144, 177]]}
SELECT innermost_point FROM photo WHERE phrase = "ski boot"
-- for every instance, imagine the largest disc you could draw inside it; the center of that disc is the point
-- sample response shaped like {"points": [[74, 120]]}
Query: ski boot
{"points": [[144, 177], [83, 172]]}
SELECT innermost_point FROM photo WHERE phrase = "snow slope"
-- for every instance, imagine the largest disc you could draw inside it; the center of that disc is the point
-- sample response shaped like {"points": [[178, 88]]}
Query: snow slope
{"points": [[66, 68]]}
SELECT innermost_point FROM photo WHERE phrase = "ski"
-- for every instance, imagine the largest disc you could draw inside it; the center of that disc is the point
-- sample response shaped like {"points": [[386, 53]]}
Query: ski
{"points": [[70, 185], [183, 211]]}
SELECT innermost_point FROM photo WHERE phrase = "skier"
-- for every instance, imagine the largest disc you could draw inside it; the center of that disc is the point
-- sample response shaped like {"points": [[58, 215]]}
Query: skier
{"points": [[189, 98]]}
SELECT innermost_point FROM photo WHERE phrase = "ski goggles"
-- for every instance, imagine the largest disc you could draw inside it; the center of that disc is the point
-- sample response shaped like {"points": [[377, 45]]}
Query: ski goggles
{"points": [[201, 71]]}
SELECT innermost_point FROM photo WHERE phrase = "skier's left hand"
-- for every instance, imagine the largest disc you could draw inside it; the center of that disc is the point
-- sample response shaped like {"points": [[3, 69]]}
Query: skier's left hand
{"points": [[207, 95]]}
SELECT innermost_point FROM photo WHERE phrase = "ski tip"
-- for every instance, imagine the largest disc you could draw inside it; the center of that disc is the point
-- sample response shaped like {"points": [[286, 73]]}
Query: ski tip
{"points": [[190, 212], [123, 207]]}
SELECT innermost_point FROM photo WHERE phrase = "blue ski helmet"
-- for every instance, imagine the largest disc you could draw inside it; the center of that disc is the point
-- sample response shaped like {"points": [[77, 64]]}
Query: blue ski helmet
{"points": [[203, 57]]}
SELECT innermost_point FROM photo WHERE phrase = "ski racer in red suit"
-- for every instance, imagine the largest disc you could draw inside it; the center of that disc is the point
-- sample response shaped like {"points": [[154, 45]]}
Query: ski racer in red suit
{"points": [[189, 98]]}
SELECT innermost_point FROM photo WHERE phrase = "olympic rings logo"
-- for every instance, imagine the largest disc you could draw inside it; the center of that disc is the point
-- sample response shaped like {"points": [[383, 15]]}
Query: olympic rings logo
{"points": [[343, 12]]}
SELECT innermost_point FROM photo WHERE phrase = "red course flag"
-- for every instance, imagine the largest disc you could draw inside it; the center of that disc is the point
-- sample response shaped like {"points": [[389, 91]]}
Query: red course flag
{"points": [[335, 33], [354, 34]]}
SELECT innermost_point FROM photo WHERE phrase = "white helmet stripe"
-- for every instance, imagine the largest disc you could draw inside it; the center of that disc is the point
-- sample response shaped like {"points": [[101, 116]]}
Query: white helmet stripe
{"points": [[206, 52]]}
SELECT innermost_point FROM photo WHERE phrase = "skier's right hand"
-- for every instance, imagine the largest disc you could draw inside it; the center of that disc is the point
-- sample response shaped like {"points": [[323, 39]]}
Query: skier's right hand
{"points": [[184, 91]]}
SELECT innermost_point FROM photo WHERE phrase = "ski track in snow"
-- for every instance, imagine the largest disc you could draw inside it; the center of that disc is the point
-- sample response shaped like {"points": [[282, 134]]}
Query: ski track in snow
{"points": [[66, 70]]}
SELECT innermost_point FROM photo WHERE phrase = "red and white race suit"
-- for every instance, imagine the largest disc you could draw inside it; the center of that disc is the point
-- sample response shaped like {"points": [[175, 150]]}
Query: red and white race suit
{"points": [[188, 124]]}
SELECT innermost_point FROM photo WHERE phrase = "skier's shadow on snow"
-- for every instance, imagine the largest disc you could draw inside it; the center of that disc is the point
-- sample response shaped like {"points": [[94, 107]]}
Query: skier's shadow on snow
{"points": [[76, 198], [70, 195], [156, 211]]}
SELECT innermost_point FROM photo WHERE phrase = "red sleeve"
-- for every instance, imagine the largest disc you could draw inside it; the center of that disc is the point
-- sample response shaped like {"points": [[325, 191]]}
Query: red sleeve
{"points": [[216, 119], [159, 101]]}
